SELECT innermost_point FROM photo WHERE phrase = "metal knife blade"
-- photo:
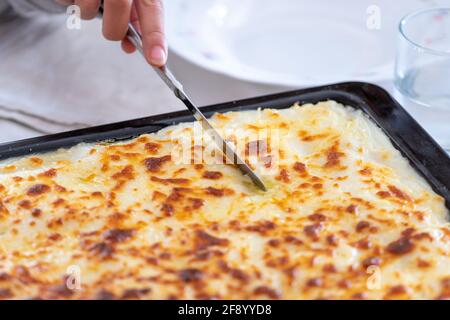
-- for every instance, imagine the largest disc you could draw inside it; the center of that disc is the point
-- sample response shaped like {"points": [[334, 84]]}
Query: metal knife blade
{"points": [[166, 75], [224, 146]]}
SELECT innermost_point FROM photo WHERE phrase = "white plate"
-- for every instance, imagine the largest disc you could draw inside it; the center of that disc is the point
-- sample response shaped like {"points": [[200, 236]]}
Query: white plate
{"points": [[290, 42]]}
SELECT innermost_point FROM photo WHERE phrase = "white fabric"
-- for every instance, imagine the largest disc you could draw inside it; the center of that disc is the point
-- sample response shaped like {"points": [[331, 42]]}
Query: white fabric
{"points": [[31, 7], [75, 78]]}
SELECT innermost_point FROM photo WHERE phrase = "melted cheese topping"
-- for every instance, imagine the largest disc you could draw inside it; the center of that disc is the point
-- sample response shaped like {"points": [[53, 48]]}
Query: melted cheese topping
{"points": [[346, 217]]}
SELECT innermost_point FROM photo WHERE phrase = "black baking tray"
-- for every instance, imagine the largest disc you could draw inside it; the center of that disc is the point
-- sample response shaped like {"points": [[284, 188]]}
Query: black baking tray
{"points": [[425, 155]]}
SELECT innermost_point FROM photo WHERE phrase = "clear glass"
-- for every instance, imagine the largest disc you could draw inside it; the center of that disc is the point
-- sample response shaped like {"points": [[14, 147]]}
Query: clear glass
{"points": [[423, 58]]}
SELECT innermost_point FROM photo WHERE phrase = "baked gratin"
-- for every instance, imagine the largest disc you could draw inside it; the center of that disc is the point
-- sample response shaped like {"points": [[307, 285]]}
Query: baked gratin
{"points": [[345, 217]]}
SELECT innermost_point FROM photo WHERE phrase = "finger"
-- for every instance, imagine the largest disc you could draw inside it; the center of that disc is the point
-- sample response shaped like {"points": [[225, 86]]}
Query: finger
{"points": [[151, 20], [127, 46], [134, 19], [65, 2], [116, 15], [88, 8]]}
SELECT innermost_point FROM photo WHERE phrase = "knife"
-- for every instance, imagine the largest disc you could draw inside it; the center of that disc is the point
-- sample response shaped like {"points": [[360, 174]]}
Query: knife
{"points": [[169, 79]]}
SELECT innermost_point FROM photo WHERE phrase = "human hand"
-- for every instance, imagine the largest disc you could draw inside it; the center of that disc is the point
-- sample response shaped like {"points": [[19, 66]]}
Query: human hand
{"points": [[146, 15]]}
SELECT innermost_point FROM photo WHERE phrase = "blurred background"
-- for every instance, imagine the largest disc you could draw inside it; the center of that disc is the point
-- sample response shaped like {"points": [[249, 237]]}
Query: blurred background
{"points": [[53, 78]]}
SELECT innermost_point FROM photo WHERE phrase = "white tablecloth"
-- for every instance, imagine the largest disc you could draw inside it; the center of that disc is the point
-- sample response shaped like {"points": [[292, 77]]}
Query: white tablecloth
{"points": [[53, 79]]}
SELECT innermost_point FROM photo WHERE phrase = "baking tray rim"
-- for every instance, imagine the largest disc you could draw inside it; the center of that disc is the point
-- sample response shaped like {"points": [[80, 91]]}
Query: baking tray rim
{"points": [[207, 110], [154, 119]]}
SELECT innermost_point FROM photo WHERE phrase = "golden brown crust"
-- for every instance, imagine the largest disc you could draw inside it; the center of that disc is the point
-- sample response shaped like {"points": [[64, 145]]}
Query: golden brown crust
{"points": [[129, 222]]}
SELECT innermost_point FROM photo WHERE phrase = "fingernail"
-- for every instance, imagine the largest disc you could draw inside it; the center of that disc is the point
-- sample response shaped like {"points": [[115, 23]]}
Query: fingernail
{"points": [[157, 56]]}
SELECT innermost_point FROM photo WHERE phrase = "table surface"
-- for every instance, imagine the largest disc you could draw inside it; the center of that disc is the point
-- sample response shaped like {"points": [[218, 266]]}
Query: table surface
{"points": [[54, 79]]}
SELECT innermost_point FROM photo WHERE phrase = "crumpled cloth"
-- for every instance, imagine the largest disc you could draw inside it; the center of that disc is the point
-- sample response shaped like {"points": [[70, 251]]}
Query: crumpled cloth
{"points": [[29, 8], [53, 79]]}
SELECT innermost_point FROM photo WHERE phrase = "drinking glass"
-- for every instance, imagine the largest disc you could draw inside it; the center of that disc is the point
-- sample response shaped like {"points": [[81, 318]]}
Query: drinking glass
{"points": [[422, 72], [423, 59]]}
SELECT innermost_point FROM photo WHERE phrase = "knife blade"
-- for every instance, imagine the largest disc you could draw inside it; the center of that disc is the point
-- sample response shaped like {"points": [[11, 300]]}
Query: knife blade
{"points": [[176, 87]]}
